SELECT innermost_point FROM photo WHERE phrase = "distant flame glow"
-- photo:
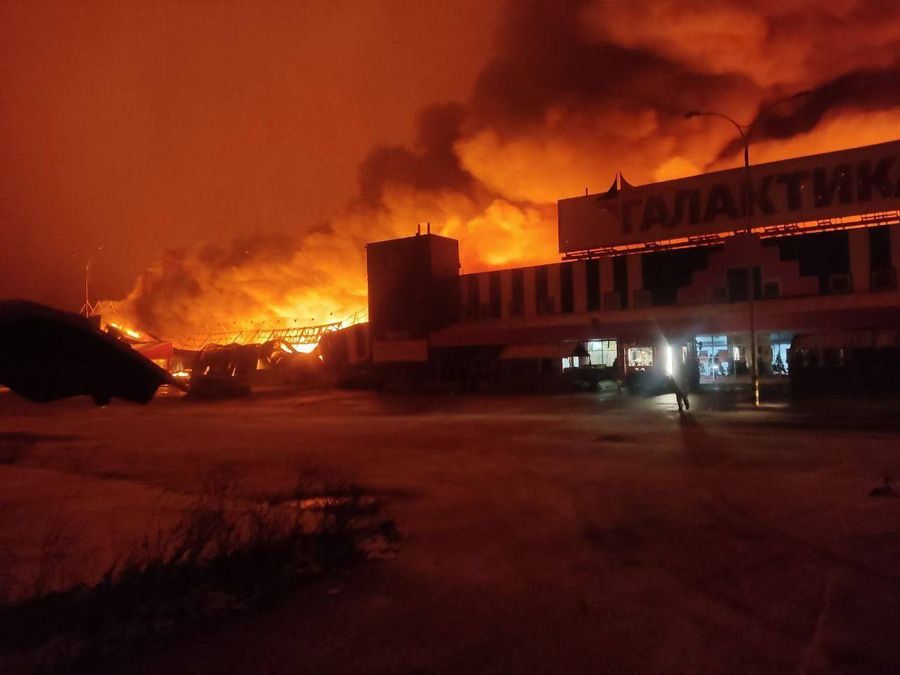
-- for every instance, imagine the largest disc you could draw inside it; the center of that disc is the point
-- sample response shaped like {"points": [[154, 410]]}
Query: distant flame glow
{"points": [[130, 332]]}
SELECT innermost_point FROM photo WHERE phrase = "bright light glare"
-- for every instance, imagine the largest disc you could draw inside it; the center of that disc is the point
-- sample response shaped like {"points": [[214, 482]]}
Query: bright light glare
{"points": [[669, 364], [304, 348]]}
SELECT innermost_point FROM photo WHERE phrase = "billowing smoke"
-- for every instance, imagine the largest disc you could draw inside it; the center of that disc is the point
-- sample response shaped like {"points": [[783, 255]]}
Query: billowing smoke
{"points": [[574, 92]]}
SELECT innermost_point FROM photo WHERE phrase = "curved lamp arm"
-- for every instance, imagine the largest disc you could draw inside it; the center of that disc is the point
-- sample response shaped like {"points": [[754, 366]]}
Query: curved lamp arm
{"points": [[746, 130], [701, 113]]}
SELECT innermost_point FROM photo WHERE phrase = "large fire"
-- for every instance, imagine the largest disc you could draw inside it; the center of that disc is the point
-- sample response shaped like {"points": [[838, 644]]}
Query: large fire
{"points": [[574, 93]]}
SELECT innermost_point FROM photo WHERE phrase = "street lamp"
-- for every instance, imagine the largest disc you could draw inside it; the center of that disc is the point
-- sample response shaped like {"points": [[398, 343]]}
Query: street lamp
{"points": [[746, 131]]}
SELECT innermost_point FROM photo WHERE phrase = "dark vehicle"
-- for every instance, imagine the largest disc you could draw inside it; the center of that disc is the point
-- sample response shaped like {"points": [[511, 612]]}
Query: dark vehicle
{"points": [[589, 377], [645, 381], [846, 361]]}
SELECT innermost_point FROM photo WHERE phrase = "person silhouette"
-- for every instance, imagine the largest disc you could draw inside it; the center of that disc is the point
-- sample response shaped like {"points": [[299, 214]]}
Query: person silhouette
{"points": [[681, 396]]}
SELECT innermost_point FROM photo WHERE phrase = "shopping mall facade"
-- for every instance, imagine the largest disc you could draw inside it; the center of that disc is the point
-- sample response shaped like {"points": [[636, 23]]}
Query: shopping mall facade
{"points": [[656, 276]]}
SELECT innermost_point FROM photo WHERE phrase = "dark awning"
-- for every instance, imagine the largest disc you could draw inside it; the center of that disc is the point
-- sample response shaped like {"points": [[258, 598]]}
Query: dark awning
{"points": [[562, 350], [848, 339]]}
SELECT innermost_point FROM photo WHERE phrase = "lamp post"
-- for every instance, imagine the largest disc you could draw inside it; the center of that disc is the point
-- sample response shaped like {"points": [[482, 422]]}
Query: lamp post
{"points": [[746, 131]]}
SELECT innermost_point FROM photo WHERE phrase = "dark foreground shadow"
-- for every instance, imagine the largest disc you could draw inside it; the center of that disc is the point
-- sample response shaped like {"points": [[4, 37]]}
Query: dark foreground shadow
{"points": [[700, 449]]}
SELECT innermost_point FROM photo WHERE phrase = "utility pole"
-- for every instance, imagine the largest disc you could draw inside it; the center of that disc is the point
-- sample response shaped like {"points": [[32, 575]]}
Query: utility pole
{"points": [[87, 309]]}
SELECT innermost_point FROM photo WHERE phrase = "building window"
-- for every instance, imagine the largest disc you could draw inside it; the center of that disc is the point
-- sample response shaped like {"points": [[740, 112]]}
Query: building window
{"points": [[664, 272], [495, 296], [822, 255], [592, 281], [737, 284], [566, 290], [543, 302], [602, 352], [880, 249], [640, 357], [620, 278], [517, 304], [712, 354], [541, 283]]}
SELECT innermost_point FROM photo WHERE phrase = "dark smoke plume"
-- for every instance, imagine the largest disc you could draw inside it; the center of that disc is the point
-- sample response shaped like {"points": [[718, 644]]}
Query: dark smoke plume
{"points": [[573, 92]]}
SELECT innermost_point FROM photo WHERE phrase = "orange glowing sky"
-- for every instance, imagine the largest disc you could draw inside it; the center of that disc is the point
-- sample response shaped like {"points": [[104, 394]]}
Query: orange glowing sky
{"points": [[137, 125], [232, 158]]}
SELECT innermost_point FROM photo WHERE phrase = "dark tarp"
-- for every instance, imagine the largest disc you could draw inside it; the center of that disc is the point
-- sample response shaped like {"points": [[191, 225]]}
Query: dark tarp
{"points": [[46, 354], [155, 351], [848, 339]]}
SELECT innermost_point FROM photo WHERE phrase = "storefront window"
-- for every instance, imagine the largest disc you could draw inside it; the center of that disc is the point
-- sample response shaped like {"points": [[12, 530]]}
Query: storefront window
{"points": [[712, 354], [640, 357], [780, 358], [602, 352], [574, 362]]}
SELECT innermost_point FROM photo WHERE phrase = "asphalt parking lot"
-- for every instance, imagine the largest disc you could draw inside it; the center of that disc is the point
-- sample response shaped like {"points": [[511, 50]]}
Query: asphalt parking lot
{"points": [[577, 533]]}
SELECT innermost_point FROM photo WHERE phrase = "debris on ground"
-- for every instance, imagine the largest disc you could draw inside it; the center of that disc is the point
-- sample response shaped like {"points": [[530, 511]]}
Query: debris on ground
{"points": [[884, 490]]}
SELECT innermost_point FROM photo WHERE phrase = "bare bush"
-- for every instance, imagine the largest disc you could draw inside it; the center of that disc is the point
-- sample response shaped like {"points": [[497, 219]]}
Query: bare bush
{"points": [[225, 555], [54, 567]]}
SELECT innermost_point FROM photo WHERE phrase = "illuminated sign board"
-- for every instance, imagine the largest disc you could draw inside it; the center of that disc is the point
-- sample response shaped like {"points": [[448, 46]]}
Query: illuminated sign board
{"points": [[817, 187]]}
